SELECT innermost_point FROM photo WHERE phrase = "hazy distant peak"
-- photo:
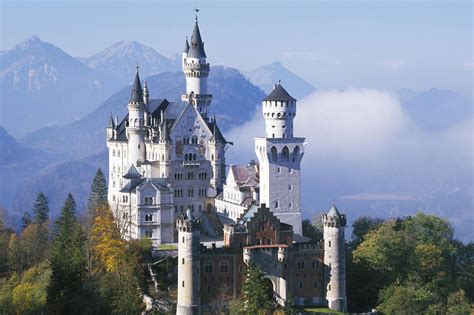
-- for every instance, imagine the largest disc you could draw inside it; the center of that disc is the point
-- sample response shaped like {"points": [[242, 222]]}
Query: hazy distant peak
{"points": [[265, 77]]}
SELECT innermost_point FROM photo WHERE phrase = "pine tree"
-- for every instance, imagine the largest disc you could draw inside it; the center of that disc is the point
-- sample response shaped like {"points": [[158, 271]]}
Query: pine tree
{"points": [[25, 220], [256, 294], [41, 208], [98, 195], [68, 262]]}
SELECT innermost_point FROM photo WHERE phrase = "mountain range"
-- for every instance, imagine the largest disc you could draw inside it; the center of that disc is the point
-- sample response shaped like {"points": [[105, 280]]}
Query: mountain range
{"points": [[435, 109], [119, 60], [267, 76], [43, 85]]}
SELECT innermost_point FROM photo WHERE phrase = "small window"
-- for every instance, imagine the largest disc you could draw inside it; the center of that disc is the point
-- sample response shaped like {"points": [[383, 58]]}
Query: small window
{"points": [[329, 288], [315, 284], [276, 204], [301, 284], [182, 284], [329, 243], [182, 261]]}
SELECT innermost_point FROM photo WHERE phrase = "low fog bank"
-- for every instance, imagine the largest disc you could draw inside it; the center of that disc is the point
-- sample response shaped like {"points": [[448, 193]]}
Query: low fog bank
{"points": [[365, 154]]}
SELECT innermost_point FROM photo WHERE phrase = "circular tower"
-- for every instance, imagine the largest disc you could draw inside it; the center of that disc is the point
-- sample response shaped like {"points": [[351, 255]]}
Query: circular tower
{"points": [[196, 71], [335, 259], [279, 110], [136, 123], [189, 274]]}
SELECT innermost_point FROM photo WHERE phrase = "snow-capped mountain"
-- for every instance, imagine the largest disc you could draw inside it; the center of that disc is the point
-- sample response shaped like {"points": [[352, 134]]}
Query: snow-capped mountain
{"points": [[120, 59], [266, 76], [42, 85]]}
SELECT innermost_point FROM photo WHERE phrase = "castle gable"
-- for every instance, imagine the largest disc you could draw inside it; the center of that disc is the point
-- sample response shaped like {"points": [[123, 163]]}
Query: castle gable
{"points": [[190, 123]]}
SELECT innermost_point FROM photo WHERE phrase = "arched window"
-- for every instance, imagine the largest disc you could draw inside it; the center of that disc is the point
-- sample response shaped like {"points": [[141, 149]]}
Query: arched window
{"points": [[113, 152], [274, 154], [208, 267], [301, 264], [296, 154], [194, 156], [224, 267], [285, 154], [195, 140]]}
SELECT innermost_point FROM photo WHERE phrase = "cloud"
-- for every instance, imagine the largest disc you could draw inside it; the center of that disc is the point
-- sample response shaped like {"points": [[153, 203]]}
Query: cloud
{"points": [[361, 141], [394, 65]]}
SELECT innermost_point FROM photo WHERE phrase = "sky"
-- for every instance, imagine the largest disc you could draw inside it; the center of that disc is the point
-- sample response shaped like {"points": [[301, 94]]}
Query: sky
{"points": [[334, 45]]}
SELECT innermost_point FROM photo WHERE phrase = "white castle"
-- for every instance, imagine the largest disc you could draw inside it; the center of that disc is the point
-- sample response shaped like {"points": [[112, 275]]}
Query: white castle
{"points": [[165, 158], [168, 183]]}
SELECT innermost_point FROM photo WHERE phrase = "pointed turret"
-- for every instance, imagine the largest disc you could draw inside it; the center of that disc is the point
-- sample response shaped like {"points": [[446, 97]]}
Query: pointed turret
{"points": [[197, 45], [137, 91], [186, 46], [111, 123], [146, 94]]}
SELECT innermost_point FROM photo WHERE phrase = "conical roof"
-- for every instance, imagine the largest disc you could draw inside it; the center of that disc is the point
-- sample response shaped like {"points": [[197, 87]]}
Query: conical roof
{"points": [[132, 173], [333, 212], [279, 94], [137, 91], [196, 50], [111, 123], [186, 45]]}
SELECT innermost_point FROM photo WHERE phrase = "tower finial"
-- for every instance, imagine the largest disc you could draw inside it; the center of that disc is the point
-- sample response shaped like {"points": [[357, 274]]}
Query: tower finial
{"points": [[197, 10], [137, 67]]}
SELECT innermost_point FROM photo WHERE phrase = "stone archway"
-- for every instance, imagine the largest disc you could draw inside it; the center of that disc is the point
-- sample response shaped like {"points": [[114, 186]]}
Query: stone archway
{"points": [[278, 287]]}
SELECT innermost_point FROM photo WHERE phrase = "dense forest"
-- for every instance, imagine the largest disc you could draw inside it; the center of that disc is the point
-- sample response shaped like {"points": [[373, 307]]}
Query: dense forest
{"points": [[81, 265]]}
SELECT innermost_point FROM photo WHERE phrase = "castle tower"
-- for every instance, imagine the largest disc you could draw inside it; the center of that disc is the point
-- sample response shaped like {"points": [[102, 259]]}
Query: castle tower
{"points": [[136, 124], [217, 151], [335, 259], [196, 71], [189, 274], [279, 155]]}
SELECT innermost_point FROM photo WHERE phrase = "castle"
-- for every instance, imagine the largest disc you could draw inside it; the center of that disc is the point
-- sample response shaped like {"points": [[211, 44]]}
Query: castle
{"points": [[167, 178]]}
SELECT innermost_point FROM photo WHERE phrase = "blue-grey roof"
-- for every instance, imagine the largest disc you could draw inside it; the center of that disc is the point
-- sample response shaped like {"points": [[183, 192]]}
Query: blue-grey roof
{"points": [[333, 212], [111, 123], [196, 50], [132, 173], [216, 132], [137, 91], [131, 184], [186, 46], [279, 94]]}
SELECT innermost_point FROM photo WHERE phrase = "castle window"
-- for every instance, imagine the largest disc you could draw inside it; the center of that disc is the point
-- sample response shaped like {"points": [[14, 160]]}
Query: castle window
{"points": [[301, 264], [329, 243], [269, 241], [301, 284], [315, 284], [208, 268], [315, 264], [139, 146], [118, 153], [224, 267], [182, 284], [182, 261], [195, 140], [113, 184], [113, 197], [209, 289], [290, 187], [276, 204], [278, 170], [149, 233], [148, 217], [329, 288], [182, 240], [113, 152]]}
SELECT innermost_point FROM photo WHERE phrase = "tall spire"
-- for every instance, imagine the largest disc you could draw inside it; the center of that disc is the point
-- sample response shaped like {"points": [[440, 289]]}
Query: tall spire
{"points": [[186, 45], [137, 91], [197, 45]]}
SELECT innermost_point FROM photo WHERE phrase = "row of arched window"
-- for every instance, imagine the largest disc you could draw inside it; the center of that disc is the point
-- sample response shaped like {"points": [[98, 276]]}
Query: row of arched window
{"points": [[284, 155], [223, 267], [117, 153], [190, 157], [194, 140]]}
